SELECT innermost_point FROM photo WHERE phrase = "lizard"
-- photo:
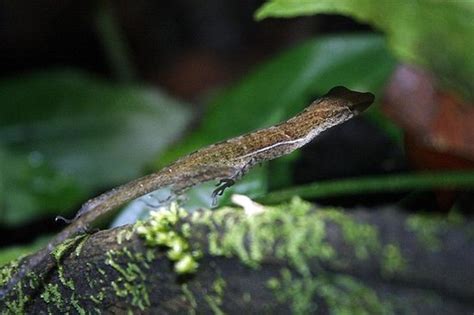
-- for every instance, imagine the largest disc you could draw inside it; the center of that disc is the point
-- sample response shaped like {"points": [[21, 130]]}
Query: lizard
{"points": [[225, 161]]}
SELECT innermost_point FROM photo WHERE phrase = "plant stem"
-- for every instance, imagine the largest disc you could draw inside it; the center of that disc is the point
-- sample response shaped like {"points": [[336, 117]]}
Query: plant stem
{"points": [[389, 183]]}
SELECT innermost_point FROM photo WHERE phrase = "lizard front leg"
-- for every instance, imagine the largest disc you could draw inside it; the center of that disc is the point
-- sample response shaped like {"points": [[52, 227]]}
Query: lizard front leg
{"points": [[222, 185], [228, 182]]}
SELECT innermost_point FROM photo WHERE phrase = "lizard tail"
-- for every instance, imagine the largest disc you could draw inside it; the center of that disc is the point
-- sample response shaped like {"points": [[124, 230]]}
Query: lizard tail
{"points": [[90, 211]]}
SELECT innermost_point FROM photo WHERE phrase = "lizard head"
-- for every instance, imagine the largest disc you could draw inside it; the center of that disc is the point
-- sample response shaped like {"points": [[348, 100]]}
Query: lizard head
{"points": [[357, 101]]}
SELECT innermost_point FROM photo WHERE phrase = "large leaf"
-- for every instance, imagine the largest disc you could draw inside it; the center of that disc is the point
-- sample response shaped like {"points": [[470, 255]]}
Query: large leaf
{"points": [[438, 35], [29, 187], [85, 130], [101, 133], [287, 83]]}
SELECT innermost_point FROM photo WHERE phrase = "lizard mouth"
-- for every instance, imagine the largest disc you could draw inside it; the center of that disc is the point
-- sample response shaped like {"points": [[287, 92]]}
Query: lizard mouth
{"points": [[358, 101]]}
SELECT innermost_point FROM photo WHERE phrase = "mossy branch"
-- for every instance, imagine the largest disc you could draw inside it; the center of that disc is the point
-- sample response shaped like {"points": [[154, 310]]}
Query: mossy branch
{"points": [[290, 258]]}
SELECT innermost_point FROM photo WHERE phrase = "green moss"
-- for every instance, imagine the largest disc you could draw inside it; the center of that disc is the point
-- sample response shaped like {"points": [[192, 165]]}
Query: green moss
{"points": [[293, 232], [131, 282], [429, 228], [7, 270], [297, 234], [80, 245], [218, 286], [253, 238], [90, 282], [345, 295], [33, 280], [247, 297], [129, 276], [139, 294], [124, 234], [299, 293], [66, 282], [77, 307], [213, 305], [392, 260], [215, 297], [150, 255], [52, 295], [189, 296], [186, 264], [60, 250], [119, 291], [342, 294], [362, 237], [160, 231], [17, 305], [19, 299], [97, 298], [16, 300]]}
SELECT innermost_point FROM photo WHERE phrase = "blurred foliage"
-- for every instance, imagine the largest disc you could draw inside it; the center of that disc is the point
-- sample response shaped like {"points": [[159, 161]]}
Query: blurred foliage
{"points": [[115, 47], [429, 227], [438, 35], [286, 84], [10, 253], [31, 188], [65, 134]]}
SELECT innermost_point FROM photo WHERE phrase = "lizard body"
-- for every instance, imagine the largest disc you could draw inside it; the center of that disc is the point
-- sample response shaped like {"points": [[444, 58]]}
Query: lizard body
{"points": [[225, 161]]}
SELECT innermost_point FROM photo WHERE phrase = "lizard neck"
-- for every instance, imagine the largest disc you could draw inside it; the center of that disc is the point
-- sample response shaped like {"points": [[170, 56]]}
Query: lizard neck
{"points": [[316, 118]]}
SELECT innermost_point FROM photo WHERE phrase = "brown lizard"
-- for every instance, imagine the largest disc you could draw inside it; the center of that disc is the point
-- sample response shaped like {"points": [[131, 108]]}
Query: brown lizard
{"points": [[225, 161]]}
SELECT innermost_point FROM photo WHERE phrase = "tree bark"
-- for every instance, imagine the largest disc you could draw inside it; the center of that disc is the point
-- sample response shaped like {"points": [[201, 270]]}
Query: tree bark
{"points": [[276, 262]]}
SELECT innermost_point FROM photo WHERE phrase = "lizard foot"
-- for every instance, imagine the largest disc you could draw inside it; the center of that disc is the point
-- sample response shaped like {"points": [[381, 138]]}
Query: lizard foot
{"points": [[221, 186], [154, 202]]}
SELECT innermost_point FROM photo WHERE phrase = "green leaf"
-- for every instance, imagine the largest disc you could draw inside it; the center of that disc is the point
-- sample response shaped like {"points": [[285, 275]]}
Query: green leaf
{"points": [[98, 132], [438, 35], [286, 84], [29, 188], [88, 133]]}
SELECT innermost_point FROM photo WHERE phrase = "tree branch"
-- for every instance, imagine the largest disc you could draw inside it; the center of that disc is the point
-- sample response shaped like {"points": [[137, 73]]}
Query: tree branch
{"points": [[291, 258]]}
